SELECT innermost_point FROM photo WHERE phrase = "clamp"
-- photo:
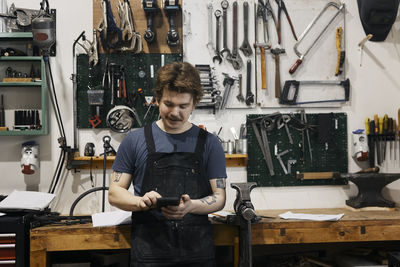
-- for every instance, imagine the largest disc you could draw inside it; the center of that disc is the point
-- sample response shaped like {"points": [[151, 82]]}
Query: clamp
{"points": [[171, 8], [150, 8]]}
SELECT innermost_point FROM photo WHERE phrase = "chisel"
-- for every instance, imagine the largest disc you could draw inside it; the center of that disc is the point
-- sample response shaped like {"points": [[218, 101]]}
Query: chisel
{"points": [[398, 120]]}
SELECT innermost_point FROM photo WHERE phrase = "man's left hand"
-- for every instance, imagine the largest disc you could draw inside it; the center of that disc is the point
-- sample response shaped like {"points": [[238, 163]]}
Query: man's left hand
{"points": [[177, 212]]}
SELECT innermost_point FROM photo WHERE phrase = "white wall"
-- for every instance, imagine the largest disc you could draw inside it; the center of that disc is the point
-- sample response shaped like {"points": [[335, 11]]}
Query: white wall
{"points": [[375, 88]]}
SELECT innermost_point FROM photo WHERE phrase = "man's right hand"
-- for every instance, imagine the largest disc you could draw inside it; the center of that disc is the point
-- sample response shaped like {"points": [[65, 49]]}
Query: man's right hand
{"points": [[149, 200]]}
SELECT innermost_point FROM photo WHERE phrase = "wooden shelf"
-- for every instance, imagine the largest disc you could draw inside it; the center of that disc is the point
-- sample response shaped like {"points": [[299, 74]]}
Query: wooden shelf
{"points": [[232, 160], [236, 160]]}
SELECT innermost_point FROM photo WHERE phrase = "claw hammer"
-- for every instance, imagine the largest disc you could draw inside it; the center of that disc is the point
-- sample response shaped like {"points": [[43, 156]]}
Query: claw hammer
{"points": [[262, 47]]}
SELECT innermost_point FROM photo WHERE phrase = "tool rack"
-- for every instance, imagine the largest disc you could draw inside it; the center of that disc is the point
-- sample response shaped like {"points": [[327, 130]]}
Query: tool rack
{"points": [[34, 91]]}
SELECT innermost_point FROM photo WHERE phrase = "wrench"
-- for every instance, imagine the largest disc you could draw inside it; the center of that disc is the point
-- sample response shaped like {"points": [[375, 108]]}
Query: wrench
{"points": [[249, 94], [279, 157], [264, 148], [246, 48], [235, 58], [267, 125], [217, 56], [225, 5], [240, 96], [210, 43], [282, 122]]}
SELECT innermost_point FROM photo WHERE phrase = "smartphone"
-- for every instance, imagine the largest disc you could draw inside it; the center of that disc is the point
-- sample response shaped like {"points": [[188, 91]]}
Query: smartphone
{"points": [[168, 201]]}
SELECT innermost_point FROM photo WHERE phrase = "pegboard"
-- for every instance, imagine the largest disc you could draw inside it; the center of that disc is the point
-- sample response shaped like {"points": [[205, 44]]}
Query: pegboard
{"points": [[140, 72], [161, 25], [330, 156], [319, 64]]}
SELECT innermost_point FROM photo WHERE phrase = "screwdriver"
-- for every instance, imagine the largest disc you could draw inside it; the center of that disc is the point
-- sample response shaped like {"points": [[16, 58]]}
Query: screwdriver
{"points": [[394, 138], [372, 146], [385, 133], [378, 150], [389, 137], [398, 129], [381, 139], [370, 142]]}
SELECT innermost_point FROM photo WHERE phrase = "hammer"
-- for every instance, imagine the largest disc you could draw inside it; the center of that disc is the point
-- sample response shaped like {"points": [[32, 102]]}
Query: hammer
{"points": [[276, 52], [262, 47]]}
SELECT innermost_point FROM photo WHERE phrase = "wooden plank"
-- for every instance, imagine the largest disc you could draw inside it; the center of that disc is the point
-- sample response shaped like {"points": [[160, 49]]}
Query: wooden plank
{"points": [[161, 25], [38, 258]]}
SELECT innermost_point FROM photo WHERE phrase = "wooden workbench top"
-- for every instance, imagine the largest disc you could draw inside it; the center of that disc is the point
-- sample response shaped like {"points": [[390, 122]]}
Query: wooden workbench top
{"points": [[354, 226]]}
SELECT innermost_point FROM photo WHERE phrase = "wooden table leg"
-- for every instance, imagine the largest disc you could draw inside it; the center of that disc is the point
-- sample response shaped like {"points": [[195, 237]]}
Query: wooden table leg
{"points": [[236, 252], [38, 258]]}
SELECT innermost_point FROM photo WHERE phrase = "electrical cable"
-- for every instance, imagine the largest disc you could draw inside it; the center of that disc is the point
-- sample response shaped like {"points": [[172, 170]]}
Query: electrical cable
{"points": [[71, 211], [59, 171], [53, 179], [53, 97], [62, 139]]}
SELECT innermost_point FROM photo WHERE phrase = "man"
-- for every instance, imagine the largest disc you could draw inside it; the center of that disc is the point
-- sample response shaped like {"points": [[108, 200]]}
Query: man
{"points": [[171, 158]]}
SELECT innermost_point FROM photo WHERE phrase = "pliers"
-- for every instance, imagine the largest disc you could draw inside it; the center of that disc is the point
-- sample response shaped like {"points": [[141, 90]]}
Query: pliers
{"points": [[282, 6], [264, 10], [122, 84]]}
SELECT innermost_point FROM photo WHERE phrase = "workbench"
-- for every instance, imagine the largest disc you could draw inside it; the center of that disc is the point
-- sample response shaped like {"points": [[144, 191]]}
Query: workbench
{"points": [[355, 226]]}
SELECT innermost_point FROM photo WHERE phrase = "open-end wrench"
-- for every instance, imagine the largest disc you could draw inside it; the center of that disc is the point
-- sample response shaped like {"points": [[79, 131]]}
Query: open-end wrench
{"points": [[235, 58], [210, 43], [217, 56], [267, 125], [225, 49], [279, 157], [240, 96], [249, 94], [282, 122], [245, 47], [264, 146]]}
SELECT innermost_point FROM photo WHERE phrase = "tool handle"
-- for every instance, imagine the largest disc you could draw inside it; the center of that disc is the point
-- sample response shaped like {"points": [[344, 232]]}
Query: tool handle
{"points": [[295, 66], [317, 175], [346, 86], [367, 124], [278, 29], [398, 118], [284, 99], [263, 69], [277, 78], [376, 123]]}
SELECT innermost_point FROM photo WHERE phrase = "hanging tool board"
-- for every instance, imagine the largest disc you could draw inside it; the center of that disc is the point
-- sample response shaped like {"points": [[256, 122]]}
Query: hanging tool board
{"points": [[160, 24], [328, 139], [140, 73]]}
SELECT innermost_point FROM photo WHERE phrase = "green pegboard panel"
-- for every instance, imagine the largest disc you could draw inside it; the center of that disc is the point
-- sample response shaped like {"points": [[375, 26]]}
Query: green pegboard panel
{"points": [[331, 156], [140, 72]]}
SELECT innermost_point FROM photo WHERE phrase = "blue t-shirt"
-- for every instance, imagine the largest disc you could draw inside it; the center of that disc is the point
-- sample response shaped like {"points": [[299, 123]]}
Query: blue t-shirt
{"points": [[132, 153]]}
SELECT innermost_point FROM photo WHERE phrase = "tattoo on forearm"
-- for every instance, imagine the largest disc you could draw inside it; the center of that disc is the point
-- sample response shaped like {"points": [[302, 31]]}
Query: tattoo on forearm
{"points": [[117, 176], [221, 183], [209, 200]]}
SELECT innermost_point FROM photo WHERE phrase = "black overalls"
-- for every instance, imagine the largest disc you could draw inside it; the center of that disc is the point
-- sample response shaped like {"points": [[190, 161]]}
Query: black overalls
{"points": [[158, 240]]}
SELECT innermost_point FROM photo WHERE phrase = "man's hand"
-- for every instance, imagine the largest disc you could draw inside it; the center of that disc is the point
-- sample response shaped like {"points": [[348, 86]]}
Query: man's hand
{"points": [[177, 212], [149, 200]]}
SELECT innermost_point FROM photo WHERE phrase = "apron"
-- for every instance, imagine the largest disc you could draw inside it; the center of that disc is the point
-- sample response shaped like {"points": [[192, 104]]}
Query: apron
{"points": [[156, 239]]}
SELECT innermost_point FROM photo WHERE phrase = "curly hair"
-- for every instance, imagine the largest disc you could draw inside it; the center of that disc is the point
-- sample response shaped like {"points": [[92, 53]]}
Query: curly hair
{"points": [[180, 77]]}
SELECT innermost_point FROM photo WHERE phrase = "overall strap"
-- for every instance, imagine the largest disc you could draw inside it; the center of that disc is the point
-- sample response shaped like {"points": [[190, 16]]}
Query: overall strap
{"points": [[201, 140], [148, 134]]}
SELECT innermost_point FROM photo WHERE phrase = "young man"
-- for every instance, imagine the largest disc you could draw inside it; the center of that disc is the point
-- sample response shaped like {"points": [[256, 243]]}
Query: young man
{"points": [[171, 158]]}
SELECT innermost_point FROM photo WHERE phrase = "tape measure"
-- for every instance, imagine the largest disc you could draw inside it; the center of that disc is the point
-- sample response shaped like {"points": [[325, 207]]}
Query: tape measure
{"points": [[121, 119]]}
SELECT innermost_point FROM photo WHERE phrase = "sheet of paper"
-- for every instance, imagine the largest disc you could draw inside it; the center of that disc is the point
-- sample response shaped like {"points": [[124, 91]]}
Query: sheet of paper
{"points": [[221, 213], [111, 218], [27, 200], [312, 217]]}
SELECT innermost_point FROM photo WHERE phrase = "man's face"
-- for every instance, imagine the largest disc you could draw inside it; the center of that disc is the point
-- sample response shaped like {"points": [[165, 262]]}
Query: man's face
{"points": [[175, 109]]}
